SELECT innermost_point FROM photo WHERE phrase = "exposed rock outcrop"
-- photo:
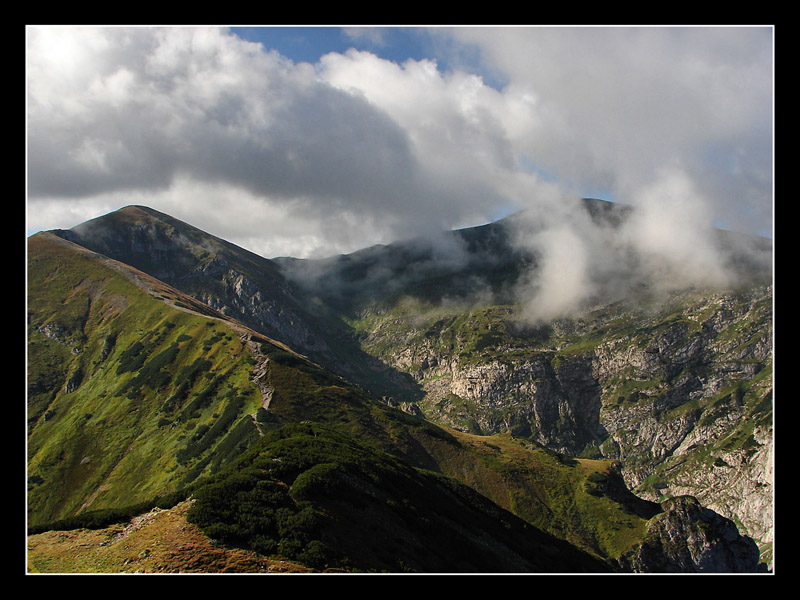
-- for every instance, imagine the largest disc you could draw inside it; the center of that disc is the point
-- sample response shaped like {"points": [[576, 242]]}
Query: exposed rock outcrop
{"points": [[688, 538], [680, 396]]}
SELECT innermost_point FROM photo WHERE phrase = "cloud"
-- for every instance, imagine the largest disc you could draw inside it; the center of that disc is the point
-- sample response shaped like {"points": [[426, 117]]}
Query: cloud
{"points": [[143, 113], [305, 159], [198, 103], [562, 282], [671, 234], [664, 244], [611, 107]]}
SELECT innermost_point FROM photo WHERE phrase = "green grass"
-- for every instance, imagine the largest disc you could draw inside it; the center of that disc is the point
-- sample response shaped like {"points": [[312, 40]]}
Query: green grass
{"points": [[109, 442], [131, 399], [311, 494], [580, 500]]}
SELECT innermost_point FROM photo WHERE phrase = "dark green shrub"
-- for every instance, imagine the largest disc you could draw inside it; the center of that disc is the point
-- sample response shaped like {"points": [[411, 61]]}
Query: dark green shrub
{"points": [[201, 401], [248, 509], [316, 554], [241, 436], [319, 480], [108, 346], [206, 435], [132, 359]]}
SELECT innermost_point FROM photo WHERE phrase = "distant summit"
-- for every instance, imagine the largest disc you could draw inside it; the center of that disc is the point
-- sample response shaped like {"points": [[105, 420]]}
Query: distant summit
{"points": [[305, 405]]}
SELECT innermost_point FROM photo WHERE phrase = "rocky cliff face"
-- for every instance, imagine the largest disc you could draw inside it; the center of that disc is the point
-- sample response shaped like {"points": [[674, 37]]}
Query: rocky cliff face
{"points": [[679, 394], [229, 279], [688, 538], [242, 298]]}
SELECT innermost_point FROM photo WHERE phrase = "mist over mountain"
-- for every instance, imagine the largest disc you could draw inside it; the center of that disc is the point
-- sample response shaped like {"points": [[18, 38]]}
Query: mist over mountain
{"points": [[566, 395], [361, 141], [555, 263]]}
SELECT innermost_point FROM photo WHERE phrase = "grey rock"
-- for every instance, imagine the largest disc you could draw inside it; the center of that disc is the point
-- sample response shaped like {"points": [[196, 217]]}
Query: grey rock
{"points": [[689, 538]]}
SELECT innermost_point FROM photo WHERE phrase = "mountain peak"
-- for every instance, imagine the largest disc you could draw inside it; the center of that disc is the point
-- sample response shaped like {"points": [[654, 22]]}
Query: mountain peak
{"points": [[126, 214], [131, 395]]}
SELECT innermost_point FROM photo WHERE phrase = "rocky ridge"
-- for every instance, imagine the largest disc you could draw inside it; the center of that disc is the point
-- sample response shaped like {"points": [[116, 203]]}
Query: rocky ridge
{"points": [[688, 538], [681, 400], [680, 397]]}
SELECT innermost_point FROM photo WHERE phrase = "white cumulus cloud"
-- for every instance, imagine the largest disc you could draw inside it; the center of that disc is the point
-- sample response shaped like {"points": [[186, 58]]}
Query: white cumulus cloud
{"points": [[309, 159]]}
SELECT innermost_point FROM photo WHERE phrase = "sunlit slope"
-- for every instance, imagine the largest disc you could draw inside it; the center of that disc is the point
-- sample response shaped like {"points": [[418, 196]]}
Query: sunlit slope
{"points": [[133, 396], [678, 390], [583, 501], [138, 391], [128, 397], [234, 282]]}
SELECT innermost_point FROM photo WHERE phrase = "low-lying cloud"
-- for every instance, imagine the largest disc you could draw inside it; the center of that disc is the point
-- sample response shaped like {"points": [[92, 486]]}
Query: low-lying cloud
{"points": [[310, 160], [663, 244]]}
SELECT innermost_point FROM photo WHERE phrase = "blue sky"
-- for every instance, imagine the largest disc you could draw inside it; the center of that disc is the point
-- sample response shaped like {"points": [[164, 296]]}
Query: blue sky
{"points": [[397, 44], [298, 43], [310, 43], [423, 128]]}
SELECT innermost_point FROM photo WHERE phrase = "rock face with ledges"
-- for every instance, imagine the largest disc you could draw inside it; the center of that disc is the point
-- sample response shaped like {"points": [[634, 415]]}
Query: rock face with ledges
{"points": [[688, 538], [677, 391], [681, 395]]}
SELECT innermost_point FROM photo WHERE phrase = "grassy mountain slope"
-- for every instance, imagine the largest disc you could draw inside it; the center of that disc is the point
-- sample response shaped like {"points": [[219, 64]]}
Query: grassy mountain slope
{"points": [[128, 396], [583, 501], [158, 541], [138, 390], [680, 392], [678, 388], [235, 282], [133, 396], [200, 265], [323, 499]]}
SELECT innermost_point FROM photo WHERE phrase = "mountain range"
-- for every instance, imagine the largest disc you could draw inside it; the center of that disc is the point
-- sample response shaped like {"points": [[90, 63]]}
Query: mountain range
{"points": [[393, 409]]}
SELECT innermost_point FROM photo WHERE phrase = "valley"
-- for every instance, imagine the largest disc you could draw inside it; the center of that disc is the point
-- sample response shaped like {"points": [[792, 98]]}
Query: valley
{"points": [[311, 409]]}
